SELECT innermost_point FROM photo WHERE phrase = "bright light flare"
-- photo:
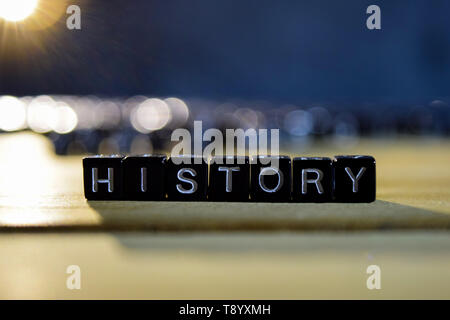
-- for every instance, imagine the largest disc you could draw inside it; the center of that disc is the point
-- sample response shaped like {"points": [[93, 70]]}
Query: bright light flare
{"points": [[17, 10]]}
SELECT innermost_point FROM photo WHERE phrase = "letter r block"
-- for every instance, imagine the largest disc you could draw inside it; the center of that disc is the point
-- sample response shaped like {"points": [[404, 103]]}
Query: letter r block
{"points": [[354, 178], [312, 179], [186, 178], [103, 177]]}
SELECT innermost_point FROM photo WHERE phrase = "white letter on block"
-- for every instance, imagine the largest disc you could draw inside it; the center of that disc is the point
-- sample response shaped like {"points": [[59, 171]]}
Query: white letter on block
{"points": [[229, 177], [182, 178], [355, 180], [96, 180], [316, 181], [143, 179], [265, 171]]}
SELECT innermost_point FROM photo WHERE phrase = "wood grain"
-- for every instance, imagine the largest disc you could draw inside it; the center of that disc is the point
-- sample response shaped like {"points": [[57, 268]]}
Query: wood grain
{"points": [[40, 190]]}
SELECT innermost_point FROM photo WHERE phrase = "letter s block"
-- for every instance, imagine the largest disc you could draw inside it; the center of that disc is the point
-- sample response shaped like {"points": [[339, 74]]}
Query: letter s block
{"points": [[354, 178], [312, 179], [187, 178], [103, 177]]}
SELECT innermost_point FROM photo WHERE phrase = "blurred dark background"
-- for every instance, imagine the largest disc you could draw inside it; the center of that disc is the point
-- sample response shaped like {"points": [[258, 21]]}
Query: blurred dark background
{"points": [[310, 68], [288, 51]]}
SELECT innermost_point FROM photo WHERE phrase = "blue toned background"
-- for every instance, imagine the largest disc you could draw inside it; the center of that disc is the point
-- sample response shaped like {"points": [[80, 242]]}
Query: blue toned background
{"points": [[284, 51]]}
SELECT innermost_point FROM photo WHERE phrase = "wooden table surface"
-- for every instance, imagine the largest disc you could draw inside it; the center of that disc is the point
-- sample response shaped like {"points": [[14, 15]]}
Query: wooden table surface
{"points": [[163, 250]]}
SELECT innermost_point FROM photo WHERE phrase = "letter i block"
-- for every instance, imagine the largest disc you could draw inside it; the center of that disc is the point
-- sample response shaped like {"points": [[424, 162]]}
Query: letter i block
{"points": [[271, 178], [229, 178], [144, 177], [103, 177], [312, 179], [187, 178], [354, 179]]}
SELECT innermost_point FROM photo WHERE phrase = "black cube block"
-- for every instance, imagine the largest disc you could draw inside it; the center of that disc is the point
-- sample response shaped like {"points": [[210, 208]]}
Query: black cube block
{"points": [[354, 179], [144, 177], [103, 177], [187, 178], [312, 179], [271, 178], [229, 178]]}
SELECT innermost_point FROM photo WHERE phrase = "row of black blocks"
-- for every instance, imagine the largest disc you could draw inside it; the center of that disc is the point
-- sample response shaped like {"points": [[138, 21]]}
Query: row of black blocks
{"points": [[155, 177]]}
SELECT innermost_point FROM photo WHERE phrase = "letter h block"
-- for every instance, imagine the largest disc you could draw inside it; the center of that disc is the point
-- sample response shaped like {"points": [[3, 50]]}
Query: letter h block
{"points": [[103, 177], [312, 179]]}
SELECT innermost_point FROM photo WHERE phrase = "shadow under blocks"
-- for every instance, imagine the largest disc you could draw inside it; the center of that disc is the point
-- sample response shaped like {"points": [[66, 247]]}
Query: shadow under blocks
{"points": [[349, 178]]}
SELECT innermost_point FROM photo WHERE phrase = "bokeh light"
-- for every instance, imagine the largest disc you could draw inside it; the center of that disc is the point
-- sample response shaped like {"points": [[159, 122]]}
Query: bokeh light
{"points": [[12, 113], [39, 113], [152, 114], [63, 119], [179, 111], [298, 123]]}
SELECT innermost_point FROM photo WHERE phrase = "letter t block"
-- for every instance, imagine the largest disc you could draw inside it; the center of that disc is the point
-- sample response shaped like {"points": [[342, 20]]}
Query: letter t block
{"points": [[103, 177], [229, 178]]}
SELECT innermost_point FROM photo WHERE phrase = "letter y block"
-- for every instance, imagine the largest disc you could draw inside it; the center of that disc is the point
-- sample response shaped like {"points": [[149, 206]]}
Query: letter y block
{"points": [[354, 178]]}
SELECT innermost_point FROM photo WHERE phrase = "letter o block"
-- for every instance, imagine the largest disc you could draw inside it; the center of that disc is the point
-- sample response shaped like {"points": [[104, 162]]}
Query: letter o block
{"points": [[187, 178], [271, 178], [312, 179]]}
